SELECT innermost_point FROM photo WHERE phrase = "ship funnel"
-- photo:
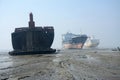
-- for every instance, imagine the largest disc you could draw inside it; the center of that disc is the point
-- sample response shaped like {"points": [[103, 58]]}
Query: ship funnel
{"points": [[31, 22]]}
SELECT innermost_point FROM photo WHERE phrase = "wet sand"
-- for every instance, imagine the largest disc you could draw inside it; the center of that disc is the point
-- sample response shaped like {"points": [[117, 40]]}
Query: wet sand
{"points": [[66, 65]]}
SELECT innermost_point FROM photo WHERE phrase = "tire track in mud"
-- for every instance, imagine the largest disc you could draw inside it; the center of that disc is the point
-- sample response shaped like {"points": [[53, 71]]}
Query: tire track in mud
{"points": [[62, 68], [67, 66], [23, 69], [63, 71]]}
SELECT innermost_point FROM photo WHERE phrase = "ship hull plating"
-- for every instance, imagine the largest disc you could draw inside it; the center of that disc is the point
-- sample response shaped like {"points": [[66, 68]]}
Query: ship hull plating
{"points": [[73, 41], [50, 51], [37, 40], [72, 46], [32, 40]]}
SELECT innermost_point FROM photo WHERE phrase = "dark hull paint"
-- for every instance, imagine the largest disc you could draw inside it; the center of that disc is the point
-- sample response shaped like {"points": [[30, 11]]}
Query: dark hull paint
{"points": [[33, 52], [32, 40]]}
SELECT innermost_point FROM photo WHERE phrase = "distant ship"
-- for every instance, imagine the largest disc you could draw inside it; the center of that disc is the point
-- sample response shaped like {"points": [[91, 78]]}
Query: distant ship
{"points": [[91, 42], [73, 41], [32, 40]]}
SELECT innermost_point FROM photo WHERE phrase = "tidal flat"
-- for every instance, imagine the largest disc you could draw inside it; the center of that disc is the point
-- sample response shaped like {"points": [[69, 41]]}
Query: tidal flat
{"points": [[86, 64]]}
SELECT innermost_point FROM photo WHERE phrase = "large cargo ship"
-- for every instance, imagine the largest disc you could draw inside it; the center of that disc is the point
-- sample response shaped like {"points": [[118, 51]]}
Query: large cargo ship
{"points": [[32, 40], [73, 41], [91, 42]]}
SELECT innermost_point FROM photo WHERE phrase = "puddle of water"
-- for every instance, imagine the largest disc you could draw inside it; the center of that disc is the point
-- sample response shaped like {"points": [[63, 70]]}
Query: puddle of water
{"points": [[58, 55], [5, 64], [56, 60], [87, 58], [5, 60]]}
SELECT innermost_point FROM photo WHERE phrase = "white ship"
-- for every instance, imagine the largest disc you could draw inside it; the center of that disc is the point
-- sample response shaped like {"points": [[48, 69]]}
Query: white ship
{"points": [[91, 42]]}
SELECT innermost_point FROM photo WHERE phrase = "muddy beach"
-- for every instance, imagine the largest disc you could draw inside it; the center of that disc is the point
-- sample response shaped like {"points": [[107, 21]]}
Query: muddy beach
{"points": [[65, 65]]}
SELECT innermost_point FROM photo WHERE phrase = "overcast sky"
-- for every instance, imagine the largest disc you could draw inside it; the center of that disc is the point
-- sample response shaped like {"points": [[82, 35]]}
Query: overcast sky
{"points": [[100, 18]]}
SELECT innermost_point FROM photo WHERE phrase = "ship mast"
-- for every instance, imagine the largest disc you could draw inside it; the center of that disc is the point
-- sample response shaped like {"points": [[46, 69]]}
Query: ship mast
{"points": [[31, 22]]}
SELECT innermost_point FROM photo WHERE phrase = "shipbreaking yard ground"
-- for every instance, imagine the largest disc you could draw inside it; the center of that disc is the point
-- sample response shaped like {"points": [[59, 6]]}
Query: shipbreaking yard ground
{"points": [[66, 65]]}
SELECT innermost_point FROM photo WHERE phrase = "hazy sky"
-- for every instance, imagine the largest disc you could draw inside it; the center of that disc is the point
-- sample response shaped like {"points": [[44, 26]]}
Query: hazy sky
{"points": [[100, 18]]}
